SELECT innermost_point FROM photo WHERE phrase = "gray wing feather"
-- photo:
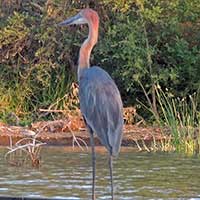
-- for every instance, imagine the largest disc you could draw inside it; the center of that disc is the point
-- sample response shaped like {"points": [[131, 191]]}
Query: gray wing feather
{"points": [[101, 107]]}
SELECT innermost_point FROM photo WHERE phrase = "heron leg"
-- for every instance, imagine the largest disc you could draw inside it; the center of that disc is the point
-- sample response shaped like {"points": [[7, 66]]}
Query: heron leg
{"points": [[93, 158], [93, 164], [111, 175]]}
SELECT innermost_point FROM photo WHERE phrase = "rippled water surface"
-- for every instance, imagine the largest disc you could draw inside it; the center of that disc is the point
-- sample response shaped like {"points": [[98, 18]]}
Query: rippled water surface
{"points": [[67, 175]]}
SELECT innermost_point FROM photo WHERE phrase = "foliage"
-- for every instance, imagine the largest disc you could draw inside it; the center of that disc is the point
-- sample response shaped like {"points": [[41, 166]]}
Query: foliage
{"points": [[150, 44], [141, 43], [34, 74]]}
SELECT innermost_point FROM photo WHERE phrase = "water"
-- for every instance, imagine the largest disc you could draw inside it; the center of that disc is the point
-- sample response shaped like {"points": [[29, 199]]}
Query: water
{"points": [[67, 175]]}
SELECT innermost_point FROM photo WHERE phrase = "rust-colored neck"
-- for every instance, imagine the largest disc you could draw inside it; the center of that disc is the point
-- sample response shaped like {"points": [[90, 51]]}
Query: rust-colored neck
{"points": [[87, 46]]}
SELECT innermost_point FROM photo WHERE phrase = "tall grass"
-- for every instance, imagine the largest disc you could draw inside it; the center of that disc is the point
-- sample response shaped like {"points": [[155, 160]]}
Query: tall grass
{"points": [[179, 119], [183, 118], [22, 98]]}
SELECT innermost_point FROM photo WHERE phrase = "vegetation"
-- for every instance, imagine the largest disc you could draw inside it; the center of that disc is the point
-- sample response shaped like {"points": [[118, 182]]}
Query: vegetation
{"points": [[142, 44], [180, 122], [26, 150], [182, 117]]}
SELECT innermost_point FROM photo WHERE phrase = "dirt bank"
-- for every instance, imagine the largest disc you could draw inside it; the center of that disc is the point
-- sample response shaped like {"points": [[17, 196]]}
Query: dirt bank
{"points": [[66, 132]]}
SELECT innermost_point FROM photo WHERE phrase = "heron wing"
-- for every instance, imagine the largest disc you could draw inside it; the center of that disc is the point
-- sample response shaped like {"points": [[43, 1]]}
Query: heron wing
{"points": [[101, 107]]}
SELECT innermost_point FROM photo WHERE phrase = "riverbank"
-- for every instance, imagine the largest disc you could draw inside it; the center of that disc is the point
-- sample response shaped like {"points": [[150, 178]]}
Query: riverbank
{"points": [[65, 132]]}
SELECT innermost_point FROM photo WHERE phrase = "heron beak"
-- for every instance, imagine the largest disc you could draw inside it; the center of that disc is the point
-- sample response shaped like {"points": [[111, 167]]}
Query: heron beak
{"points": [[77, 19]]}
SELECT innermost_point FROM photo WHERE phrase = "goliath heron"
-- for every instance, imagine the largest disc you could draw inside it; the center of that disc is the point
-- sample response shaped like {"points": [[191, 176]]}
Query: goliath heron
{"points": [[100, 100]]}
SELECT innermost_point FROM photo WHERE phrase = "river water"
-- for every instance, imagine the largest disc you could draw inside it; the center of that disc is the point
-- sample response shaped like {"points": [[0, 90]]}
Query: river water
{"points": [[137, 175]]}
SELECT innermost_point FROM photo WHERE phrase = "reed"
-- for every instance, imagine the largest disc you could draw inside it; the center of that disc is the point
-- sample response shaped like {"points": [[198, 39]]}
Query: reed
{"points": [[179, 119], [181, 115], [27, 150]]}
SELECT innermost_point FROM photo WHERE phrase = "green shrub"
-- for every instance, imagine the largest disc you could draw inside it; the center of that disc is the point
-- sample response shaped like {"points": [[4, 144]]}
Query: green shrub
{"points": [[141, 43]]}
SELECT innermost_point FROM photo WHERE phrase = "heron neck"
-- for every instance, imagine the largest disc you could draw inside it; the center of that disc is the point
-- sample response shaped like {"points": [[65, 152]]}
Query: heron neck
{"points": [[86, 48]]}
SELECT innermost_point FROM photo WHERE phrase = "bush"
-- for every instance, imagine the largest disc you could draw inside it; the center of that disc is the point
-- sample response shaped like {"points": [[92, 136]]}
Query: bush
{"points": [[141, 43]]}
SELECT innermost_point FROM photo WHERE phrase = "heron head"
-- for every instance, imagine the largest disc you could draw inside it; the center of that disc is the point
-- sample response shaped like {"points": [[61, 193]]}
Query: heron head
{"points": [[85, 16]]}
